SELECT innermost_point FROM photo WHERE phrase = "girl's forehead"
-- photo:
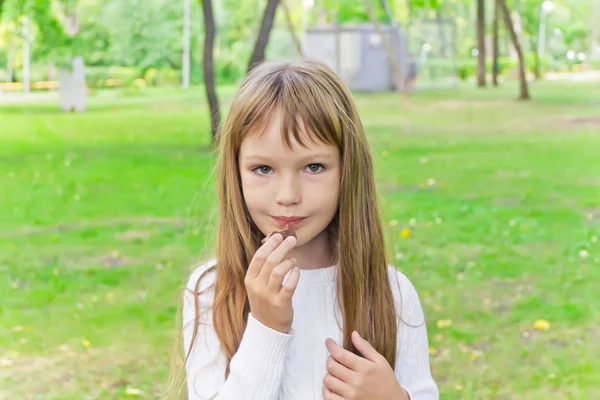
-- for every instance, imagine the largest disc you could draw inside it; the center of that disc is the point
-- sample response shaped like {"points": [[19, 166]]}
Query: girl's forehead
{"points": [[271, 137]]}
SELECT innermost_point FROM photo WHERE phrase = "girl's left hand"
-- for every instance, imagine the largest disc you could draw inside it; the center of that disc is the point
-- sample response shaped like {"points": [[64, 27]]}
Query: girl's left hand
{"points": [[351, 377]]}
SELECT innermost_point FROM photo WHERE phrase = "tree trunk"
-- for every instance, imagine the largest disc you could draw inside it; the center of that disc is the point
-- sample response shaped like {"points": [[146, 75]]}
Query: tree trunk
{"points": [[513, 35], [208, 68], [495, 44], [387, 47], [258, 55], [481, 43], [290, 25]]}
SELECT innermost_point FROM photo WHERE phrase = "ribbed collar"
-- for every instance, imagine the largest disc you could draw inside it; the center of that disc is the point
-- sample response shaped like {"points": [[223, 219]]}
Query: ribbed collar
{"points": [[318, 275]]}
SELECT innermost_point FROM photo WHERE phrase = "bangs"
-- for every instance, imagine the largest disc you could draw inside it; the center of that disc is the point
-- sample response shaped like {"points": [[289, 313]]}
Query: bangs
{"points": [[307, 112]]}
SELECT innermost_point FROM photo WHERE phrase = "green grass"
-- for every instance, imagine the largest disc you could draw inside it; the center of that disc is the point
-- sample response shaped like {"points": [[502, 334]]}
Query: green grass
{"points": [[102, 214]]}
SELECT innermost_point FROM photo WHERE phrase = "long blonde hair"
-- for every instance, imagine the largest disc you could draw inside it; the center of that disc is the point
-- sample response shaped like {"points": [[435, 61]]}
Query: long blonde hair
{"points": [[308, 93]]}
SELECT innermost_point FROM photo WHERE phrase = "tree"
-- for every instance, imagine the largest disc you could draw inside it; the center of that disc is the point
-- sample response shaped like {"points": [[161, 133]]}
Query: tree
{"points": [[495, 66], [209, 75], [258, 55], [515, 40], [290, 24], [481, 43]]}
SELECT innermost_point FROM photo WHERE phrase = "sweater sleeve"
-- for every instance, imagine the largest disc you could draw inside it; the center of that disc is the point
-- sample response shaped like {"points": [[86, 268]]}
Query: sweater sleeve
{"points": [[256, 369], [412, 355]]}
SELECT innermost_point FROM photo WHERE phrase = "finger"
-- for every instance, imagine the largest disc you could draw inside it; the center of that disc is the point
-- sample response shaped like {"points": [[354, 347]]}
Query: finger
{"points": [[279, 272], [340, 371], [366, 349], [288, 289], [275, 258], [262, 253], [329, 395], [345, 357], [337, 386]]}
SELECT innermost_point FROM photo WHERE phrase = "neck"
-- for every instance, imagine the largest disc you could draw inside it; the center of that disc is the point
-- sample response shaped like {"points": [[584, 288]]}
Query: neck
{"points": [[314, 254]]}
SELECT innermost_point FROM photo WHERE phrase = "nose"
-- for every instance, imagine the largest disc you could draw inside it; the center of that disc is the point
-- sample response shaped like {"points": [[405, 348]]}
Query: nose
{"points": [[288, 191]]}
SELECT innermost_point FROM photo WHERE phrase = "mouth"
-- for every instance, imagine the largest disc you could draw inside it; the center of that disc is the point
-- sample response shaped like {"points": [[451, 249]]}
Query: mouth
{"points": [[291, 222]]}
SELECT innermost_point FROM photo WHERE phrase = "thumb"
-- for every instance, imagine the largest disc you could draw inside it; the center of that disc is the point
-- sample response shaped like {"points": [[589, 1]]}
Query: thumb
{"points": [[365, 348]]}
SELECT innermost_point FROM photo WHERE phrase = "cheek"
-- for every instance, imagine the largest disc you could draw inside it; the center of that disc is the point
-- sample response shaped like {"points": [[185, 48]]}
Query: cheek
{"points": [[326, 195], [253, 190]]}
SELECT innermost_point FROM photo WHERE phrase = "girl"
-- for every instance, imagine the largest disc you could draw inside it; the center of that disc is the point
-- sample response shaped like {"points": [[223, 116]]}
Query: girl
{"points": [[316, 316]]}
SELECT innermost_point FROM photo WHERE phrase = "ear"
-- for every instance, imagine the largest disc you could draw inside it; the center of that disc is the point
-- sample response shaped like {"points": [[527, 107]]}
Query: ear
{"points": [[366, 349]]}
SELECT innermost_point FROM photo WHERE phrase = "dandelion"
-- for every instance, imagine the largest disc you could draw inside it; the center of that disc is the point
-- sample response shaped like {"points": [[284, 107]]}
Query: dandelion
{"points": [[86, 343], [131, 391], [584, 253], [432, 351], [541, 325], [405, 233], [443, 323]]}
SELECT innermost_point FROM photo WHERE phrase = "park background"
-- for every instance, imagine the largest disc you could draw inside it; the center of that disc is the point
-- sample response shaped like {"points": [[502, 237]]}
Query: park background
{"points": [[488, 171]]}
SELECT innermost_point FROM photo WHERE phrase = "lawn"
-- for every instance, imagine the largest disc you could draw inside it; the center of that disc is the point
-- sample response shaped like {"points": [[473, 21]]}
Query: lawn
{"points": [[492, 206]]}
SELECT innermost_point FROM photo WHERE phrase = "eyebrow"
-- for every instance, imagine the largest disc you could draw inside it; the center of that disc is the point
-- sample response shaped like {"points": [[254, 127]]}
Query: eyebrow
{"points": [[258, 157]]}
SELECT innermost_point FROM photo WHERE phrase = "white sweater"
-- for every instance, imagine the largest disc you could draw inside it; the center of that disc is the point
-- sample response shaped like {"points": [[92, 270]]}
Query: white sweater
{"points": [[270, 365]]}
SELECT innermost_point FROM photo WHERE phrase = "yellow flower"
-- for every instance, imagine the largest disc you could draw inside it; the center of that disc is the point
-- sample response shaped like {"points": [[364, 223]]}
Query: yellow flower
{"points": [[432, 351], [130, 391], [86, 343], [55, 271], [458, 387], [404, 233], [443, 323], [541, 325]]}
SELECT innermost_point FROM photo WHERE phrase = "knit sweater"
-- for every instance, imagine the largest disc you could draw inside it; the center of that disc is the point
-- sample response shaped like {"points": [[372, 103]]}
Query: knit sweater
{"points": [[270, 365]]}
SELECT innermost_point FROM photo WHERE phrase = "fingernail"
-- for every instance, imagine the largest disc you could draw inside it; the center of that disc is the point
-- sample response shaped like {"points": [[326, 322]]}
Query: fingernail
{"points": [[278, 236]]}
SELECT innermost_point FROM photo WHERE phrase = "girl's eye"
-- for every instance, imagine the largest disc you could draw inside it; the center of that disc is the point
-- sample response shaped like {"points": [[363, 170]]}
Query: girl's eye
{"points": [[315, 168], [263, 170]]}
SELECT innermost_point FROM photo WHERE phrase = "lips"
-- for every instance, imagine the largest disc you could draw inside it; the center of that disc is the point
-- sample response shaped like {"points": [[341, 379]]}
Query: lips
{"points": [[292, 222]]}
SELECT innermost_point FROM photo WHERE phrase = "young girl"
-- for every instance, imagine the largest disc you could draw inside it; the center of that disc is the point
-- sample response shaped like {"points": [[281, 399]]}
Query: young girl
{"points": [[316, 316]]}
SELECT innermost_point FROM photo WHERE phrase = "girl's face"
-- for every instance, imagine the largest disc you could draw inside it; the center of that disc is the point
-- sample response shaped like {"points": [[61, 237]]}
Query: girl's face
{"points": [[299, 183]]}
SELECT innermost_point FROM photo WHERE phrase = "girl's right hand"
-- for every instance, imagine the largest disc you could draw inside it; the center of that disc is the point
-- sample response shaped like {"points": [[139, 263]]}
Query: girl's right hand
{"points": [[270, 300]]}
